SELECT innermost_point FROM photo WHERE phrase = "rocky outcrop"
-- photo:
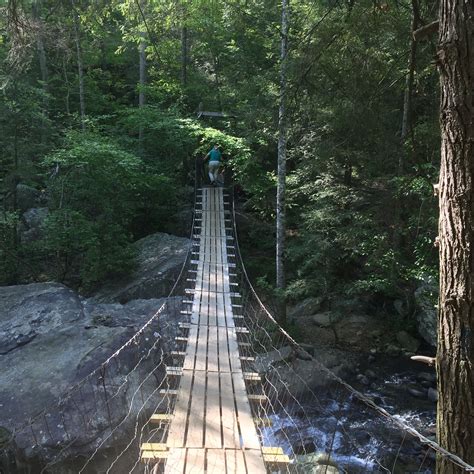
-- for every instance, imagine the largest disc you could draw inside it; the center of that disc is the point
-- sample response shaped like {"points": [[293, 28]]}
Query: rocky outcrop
{"points": [[51, 338], [159, 261], [26, 197], [426, 297], [306, 307], [31, 224]]}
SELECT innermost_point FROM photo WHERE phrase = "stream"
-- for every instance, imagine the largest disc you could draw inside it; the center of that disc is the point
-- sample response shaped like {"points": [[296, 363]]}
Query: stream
{"points": [[363, 441]]}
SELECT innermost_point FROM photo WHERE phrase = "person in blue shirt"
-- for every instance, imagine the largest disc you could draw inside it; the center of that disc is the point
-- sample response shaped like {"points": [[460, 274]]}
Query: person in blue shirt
{"points": [[215, 160]]}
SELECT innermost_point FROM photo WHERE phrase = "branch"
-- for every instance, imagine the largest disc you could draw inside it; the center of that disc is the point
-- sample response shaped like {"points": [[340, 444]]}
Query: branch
{"points": [[426, 360], [427, 30]]}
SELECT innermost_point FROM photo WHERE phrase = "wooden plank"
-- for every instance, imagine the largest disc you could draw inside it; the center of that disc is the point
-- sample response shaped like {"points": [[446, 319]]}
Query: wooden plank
{"points": [[195, 435], [230, 429], [234, 462], [153, 447], [276, 458], [213, 438], [272, 450], [254, 461], [215, 461], [177, 429], [244, 415], [176, 461], [158, 418], [147, 456], [212, 350], [191, 348], [195, 459], [201, 353], [224, 359], [234, 356]]}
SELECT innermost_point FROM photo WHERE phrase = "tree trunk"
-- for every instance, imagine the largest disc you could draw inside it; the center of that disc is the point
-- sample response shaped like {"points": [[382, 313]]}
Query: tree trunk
{"points": [[42, 64], [409, 81], [80, 67], [281, 187], [455, 355], [184, 56], [142, 83], [405, 127]]}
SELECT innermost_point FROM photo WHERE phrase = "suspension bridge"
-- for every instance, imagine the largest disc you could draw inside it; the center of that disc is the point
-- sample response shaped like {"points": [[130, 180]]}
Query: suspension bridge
{"points": [[209, 384]]}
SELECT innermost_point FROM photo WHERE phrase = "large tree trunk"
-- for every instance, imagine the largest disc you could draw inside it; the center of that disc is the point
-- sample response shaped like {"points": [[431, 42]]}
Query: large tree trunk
{"points": [[407, 99], [141, 92], [455, 356], [42, 64], [184, 55], [281, 188], [80, 67]]}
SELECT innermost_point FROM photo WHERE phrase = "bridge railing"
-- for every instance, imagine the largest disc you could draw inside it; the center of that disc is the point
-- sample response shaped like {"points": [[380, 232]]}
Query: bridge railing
{"points": [[99, 424], [320, 420]]}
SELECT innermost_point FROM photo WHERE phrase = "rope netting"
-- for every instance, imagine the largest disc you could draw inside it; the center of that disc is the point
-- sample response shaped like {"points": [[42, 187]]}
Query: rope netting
{"points": [[299, 406]]}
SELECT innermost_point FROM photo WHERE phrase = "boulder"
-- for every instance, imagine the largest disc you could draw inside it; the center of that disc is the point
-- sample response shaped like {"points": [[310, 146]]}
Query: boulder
{"points": [[306, 307], [433, 394], [263, 362], [316, 463], [426, 297], [50, 339], [407, 341], [159, 261], [323, 320], [26, 196], [31, 224]]}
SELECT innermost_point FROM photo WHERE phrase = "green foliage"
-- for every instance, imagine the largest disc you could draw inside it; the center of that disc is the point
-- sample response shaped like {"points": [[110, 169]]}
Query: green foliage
{"points": [[8, 248], [95, 193]]}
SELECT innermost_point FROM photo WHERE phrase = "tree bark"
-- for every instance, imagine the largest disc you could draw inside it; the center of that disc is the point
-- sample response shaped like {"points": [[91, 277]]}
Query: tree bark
{"points": [[184, 55], [455, 355], [43, 66], [282, 139], [407, 100], [142, 83], [80, 67]]}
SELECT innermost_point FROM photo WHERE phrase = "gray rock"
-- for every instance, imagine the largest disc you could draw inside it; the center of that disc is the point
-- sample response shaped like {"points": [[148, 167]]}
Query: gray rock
{"points": [[26, 196], [371, 374], [160, 258], [51, 338], [418, 393], [363, 379], [433, 394], [263, 362], [315, 463], [323, 320], [32, 221], [306, 307], [429, 377], [426, 297], [392, 349], [407, 341], [399, 306]]}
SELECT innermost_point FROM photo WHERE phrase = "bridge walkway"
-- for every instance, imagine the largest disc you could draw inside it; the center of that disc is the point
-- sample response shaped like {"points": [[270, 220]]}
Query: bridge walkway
{"points": [[212, 428]]}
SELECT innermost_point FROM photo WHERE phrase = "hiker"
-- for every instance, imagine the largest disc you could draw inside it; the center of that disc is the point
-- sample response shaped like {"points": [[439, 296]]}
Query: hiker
{"points": [[215, 160]]}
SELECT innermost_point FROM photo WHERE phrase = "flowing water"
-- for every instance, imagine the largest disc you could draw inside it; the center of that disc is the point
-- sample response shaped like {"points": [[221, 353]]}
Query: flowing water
{"points": [[358, 438]]}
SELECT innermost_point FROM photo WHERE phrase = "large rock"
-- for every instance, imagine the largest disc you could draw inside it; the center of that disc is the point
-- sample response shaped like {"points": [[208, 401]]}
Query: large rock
{"points": [[306, 307], [51, 338], [31, 224], [160, 258], [407, 341], [26, 196], [263, 362], [426, 297]]}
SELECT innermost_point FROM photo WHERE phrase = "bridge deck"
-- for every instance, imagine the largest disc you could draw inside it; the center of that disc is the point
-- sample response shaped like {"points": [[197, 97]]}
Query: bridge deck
{"points": [[212, 428]]}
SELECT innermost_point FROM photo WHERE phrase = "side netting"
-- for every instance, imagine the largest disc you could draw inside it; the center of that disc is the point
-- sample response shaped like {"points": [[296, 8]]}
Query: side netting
{"points": [[322, 423], [99, 424]]}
